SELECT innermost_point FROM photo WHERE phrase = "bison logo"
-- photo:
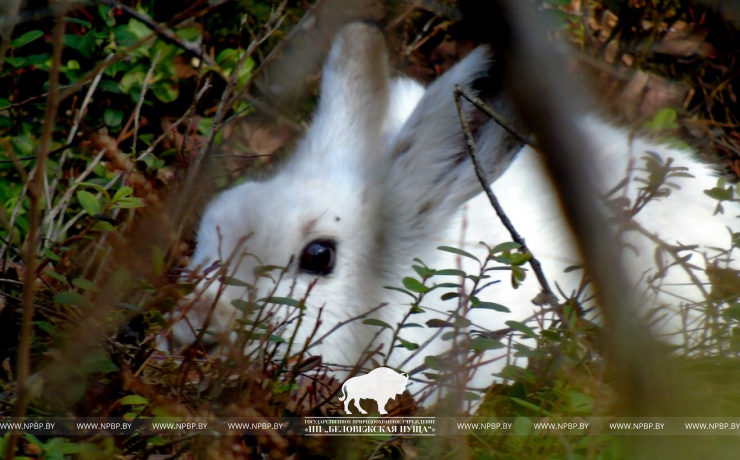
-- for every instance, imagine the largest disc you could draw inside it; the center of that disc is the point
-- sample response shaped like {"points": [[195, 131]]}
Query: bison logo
{"points": [[380, 384]]}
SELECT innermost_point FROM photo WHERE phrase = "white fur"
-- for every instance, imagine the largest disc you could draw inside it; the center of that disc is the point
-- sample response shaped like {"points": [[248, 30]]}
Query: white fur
{"points": [[380, 172]]}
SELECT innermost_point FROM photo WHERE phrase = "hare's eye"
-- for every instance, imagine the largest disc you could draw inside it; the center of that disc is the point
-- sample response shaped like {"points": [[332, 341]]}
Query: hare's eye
{"points": [[318, 257]]}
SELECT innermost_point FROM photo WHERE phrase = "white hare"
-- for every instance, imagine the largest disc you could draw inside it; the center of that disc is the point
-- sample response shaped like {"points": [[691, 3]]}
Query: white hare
{"points": [[383, 177]]}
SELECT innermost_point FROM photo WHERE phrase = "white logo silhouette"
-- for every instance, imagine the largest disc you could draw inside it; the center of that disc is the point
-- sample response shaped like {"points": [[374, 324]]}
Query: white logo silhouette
{"points": [[380, 384]]}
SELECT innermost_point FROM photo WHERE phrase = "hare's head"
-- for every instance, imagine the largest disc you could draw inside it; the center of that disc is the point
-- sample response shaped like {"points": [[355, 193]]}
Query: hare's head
{"points": [[381, 172]]}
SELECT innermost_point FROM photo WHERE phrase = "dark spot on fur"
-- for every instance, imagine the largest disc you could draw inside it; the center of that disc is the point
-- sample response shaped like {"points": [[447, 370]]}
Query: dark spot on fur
{"points": [[425, 208]]}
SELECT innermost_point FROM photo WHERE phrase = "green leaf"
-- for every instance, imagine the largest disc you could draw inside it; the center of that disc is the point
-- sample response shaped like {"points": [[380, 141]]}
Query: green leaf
{"points": [[422, 271], [732, 312], [47, 327], [56, 276], [435, 363], [113, 117], [87, 285], [122, 193], [26, 38], [98, 188], [410, 325], [393, 288], [377, 322], [523, 426], [129, 202], [449, 295], [537, 409], [51, 256], [492, 306], [435, 322], [508, 246], [89, 202], [71, 298], [414, 285], [96, 362], [133, 400], [485, 343], [450, 272], [79, 22], [719, 194], [231, 281], [408, 345], [244, 306], [459, 252], [283, 301], [102, 226], [664, 119], [523, 328]]}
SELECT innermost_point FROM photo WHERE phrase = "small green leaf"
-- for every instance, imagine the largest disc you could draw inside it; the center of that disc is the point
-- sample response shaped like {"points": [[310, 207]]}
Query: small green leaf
{"points": [[51, 255], [732, 312], [231, 281], [113, 117], [523, 426], [414, 285], [87, 285], [98, 188], [508, 246], [376, 322], [96, 362], [283, 301], [450, 272], [133, 400], [26, 38], [122, 192], [492, 306], [434, 322], [485, 343], [56, 276], [523, 328], [435, 363], [459, 252], [720, 194], [393, 288], [71, 298], [102, 226], [47, 327], [129, 202], [664, 119], [89, 202], [408, 345], [244, 306], [423, 271]]}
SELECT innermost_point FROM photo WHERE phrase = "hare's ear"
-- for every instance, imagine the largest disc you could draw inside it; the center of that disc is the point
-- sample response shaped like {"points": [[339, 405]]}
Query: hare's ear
{"points": [[431, 174], [354, 97]]}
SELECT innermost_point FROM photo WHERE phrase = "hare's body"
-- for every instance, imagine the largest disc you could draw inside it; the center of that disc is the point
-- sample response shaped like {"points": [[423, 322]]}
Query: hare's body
{"points": [[383, 177]]}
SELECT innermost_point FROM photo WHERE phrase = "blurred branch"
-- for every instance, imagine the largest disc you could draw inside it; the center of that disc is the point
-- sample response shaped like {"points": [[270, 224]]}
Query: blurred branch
{"points": [[167, 35], [547, 102], [35, 191]]}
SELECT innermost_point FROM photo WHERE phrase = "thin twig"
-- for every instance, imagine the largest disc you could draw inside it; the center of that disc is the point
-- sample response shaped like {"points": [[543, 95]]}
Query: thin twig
{"points": [[167, 35], [549, 297], [34, 221], [140, 102], [490, 113], [229, 97]]}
